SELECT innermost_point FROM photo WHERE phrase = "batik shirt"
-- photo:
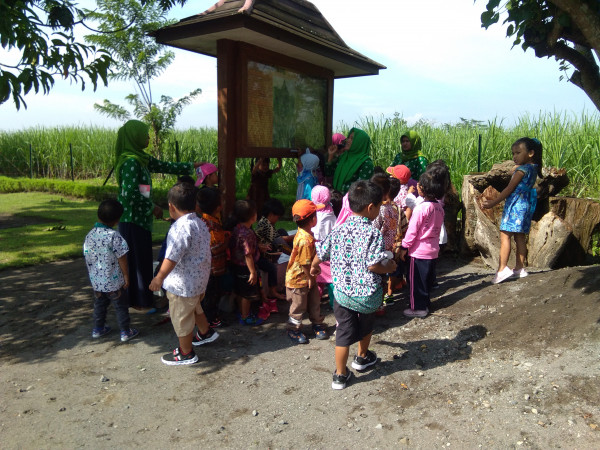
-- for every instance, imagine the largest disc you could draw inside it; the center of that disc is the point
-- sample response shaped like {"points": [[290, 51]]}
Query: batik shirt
{"points": [[243, 242], [102, 248], [387, 223], [351, 249], [137, 207], [265, 231], [188, 244], [303, 254]]}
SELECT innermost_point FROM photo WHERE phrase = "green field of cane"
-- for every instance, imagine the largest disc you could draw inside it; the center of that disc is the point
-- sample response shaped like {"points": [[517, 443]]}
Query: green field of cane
{"points": [[570, 141]]}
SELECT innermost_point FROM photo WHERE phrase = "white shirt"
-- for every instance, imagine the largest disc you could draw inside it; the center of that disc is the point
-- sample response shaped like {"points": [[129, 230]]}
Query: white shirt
{"points": [[188, 244]]}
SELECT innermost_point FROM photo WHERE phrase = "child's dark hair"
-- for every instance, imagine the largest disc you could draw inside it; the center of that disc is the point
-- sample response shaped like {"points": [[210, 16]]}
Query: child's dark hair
{"points": [[535, 146], [362, 193], [243, 211], [302, 223], [382, 180], [394, 187], [209, 199], [336, 199], [183, 197], [378, 169], [441, 172], [432, 186], [110, 211], [273, 206], [185, 179]]}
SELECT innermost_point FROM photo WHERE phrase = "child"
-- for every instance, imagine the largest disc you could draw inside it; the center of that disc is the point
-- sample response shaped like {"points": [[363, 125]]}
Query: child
{"points": [[421, 242], [258, 192], [208, 175], [301, 286], [321, 195], [244, 256], [355, 250], [387, 223], [209, 203], [184, 274], [402, 173], [397, 278], [521, 199], [270, 240], [307, 167], [105, 253]]}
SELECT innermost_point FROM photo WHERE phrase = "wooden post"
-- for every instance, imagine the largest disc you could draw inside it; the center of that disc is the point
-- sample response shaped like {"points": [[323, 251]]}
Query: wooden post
{"points": [[229, 100]]}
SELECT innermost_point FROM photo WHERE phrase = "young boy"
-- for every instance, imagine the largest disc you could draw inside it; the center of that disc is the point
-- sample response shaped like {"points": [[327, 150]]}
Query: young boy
{"points": [[301, 286], [209, 208], [105, 253], [355, 250], [184, 275]]}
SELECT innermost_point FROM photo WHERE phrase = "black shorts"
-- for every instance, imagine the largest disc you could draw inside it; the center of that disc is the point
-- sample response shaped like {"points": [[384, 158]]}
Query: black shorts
{"points": [[352, 326], [241, 287]]}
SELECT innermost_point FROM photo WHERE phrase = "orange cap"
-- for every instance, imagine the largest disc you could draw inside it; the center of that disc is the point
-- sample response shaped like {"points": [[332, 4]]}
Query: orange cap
{"points": [[304, 208], [401, 172]]}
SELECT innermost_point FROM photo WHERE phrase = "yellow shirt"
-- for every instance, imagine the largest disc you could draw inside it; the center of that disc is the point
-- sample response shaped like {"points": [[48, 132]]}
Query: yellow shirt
{"points": [[302, 255]]}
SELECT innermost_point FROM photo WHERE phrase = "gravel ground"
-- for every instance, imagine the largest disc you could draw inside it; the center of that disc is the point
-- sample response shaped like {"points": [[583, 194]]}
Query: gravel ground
{"points": [[507, 366]]}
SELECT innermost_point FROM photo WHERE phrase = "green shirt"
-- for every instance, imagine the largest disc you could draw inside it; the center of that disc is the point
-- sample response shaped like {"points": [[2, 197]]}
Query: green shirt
{"points": [[364, 172], [136, 207], [416, 165]]}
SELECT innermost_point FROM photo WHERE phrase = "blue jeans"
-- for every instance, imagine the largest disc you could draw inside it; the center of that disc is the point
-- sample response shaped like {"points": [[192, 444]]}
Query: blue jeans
{"points": [[121, 304]]}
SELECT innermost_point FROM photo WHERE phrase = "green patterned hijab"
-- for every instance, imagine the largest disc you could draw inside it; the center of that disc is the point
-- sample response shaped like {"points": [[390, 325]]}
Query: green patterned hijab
{"points": [[132, 139], [353, 158], [415, 146]]}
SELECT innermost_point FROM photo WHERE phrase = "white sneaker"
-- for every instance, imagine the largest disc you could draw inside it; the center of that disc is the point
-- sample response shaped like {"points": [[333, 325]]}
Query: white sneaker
{"points": [[502, 275], [521, 273]]}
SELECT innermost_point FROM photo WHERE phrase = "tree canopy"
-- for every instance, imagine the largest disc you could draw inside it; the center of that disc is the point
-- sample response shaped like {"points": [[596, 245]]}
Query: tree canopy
{"points": [[39, 36], [40, 43], [568, 30]]}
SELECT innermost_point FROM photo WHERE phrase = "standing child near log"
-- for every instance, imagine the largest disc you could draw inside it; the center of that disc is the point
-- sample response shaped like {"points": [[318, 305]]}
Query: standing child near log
{"points": [[521, 199]]}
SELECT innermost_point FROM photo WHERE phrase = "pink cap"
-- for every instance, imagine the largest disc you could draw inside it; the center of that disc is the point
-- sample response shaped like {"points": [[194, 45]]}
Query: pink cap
{"points": [[204, 170], [337, 138]]}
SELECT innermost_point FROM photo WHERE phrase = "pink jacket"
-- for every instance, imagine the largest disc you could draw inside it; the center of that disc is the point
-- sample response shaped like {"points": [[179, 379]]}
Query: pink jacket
{"points": [[422, 238]]}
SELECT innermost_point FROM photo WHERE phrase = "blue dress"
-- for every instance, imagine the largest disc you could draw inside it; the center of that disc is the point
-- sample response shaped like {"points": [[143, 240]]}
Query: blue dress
{"points": [[520, 204]]}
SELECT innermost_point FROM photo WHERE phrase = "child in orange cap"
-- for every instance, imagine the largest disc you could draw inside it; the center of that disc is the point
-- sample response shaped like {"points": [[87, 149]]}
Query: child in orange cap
{"points": [[403, 174], [301, 286]]}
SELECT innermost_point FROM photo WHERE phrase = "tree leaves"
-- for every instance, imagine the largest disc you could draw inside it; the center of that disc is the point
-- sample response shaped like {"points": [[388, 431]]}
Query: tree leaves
{"points": [[39, 35]]}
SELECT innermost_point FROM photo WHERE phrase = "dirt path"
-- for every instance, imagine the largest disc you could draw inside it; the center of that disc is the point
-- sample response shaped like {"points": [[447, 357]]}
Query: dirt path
{"points": [[513, 365]]}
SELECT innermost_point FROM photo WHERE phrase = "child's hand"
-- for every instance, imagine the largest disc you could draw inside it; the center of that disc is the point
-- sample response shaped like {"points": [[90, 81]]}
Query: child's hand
{"points": [[315, 270], [264, 248], [156, 283], [412, 190], [487, 203], [311, 282], [403, 253], [126, 284], [253, 278]]}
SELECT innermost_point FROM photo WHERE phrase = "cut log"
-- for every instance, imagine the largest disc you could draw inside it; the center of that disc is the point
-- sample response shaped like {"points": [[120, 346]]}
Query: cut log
{"points": [[547, 240]]}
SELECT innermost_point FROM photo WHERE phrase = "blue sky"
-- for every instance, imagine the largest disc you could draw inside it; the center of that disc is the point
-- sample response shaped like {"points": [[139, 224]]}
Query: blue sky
{"points": [[441, 66]]}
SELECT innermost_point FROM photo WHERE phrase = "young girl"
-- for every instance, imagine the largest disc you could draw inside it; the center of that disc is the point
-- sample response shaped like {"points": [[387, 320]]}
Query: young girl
{"points": [[307, 167], [421, 242], [387, 223], [207, 175], [244, 255], [321, 195], [521, 199], [259, 182]]}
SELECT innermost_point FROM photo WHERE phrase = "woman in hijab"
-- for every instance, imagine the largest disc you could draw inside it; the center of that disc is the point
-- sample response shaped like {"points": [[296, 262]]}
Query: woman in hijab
{"points": [[352, 163], [411, 155], [132, 170]]}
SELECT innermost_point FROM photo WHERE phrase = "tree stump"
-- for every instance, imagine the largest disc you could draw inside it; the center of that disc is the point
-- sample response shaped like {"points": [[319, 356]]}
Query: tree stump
{"points": [[561, 229]]}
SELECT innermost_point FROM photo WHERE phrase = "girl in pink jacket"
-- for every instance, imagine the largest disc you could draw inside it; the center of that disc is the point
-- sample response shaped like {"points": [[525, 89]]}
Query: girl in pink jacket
{"points": [[421, 243]]}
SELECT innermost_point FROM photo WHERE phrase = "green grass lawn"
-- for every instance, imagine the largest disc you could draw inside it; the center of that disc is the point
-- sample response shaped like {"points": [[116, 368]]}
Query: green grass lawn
{"points": [[37, 227]]}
